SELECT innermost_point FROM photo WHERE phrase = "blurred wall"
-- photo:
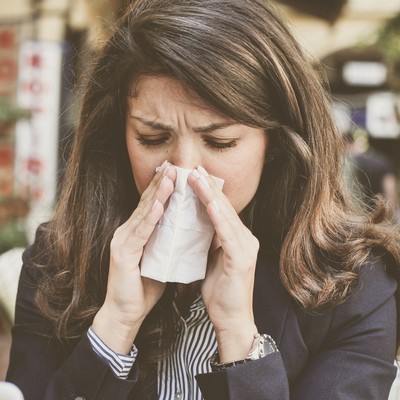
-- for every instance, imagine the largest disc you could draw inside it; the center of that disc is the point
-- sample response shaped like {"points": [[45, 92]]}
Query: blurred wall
{"points": [[357, 23], [84, 24]]}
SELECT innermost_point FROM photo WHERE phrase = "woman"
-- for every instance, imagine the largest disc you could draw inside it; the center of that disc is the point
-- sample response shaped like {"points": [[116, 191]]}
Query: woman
{"points": [[299, 297]]}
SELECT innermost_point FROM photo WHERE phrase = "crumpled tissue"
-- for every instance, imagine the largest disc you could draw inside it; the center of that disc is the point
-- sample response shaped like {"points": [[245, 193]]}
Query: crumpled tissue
{"points": [[177, 249]]}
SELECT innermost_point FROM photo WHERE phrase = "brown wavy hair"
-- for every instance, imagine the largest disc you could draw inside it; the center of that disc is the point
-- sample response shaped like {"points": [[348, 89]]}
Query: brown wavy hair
{"points": [[241, 59]]}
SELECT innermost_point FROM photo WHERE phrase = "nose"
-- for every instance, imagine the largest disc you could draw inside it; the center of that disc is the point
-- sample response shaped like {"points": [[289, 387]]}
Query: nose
{"points": [[185, 154]]}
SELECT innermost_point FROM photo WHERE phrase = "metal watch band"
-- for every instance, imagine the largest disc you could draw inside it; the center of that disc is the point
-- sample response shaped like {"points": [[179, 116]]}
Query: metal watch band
{"points": [[264, 345]]}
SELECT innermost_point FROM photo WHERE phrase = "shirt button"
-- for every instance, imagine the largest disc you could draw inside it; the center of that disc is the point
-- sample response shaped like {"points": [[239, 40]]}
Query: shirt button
{"points": [[79, 398], [178, 395]]}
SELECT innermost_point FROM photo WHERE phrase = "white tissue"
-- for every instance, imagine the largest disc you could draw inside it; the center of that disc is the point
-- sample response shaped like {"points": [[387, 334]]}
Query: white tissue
{"points": [[177, 249]]}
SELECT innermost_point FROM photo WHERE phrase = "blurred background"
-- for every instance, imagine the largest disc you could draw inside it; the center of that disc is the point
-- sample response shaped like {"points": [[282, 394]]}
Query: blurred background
{"points": [[46, 45]]}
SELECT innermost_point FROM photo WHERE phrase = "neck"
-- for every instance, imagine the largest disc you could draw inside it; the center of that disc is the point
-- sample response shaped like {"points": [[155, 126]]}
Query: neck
{"points": [[185, 295]]}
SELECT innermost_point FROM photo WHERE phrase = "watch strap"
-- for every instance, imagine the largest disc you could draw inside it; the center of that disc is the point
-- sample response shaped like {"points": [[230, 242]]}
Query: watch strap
{"points": [[263, 345]]}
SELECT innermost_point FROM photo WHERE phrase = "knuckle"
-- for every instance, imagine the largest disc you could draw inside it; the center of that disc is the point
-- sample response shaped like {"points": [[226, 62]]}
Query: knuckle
{"points": [[115, 243], [117, 236], [139, 212], [255, 244], [140, 232], [169, 185]]}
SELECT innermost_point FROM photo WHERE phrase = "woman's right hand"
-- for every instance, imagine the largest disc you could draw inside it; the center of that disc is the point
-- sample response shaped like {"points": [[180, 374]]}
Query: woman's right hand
{"points": [[130, 297]]}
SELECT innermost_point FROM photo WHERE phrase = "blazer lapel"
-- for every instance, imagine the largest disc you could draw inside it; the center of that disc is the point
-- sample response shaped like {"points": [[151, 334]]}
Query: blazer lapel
{"points": [[274, 312], [146, 390], [270, 300]]}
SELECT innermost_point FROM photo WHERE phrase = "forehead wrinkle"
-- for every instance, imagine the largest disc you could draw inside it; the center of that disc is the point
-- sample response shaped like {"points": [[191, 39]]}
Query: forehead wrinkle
{"points": [[152, 123], [152, 111], [201, 129]]}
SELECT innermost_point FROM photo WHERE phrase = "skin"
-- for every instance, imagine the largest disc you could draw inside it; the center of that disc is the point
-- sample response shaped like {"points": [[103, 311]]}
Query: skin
{"points": [[167, 124]]}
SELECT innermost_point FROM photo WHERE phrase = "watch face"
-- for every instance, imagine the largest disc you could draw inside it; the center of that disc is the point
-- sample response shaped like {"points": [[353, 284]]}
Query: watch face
{"points": [[267, 346]]}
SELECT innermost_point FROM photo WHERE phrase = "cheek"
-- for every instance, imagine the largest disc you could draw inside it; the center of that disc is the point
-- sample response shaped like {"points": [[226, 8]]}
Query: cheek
{"points": [[240, 194], [143, 170], [142, 178], [143, 162], [242, 180]]}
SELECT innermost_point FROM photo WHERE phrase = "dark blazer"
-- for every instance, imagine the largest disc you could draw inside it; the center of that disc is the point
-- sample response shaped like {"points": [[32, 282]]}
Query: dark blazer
{"points": [[347, 353]]}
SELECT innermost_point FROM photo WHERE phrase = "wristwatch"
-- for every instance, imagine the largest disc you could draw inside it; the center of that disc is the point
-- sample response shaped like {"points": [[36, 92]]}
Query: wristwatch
{"points": [[262, 346]]}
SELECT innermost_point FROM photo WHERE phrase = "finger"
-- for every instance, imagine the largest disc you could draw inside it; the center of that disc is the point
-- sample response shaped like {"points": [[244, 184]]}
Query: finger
{"points": [[160, 188], [228, 233], [131, 240], [143, 220], [209, 193], [240, 246], [166, 188], [145, 228], [160, 172], [207, 188], [234, 236], [215, 243], [145, 213]]}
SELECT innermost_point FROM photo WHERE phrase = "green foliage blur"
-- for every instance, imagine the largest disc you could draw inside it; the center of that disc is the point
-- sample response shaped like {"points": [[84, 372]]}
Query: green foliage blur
{"points": [[12, 235], [388, 39]]}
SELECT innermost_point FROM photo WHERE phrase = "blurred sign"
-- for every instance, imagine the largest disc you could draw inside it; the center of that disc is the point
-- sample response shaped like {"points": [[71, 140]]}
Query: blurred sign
{"points": [[341, 116], [364, 73], [6, 169], [37, 139], [357, 70], [9, 41], [383, 115], [8, 59]]}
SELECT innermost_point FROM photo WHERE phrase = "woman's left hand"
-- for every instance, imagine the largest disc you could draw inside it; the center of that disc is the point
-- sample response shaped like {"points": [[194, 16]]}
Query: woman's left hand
{"points": [[227, 290]]}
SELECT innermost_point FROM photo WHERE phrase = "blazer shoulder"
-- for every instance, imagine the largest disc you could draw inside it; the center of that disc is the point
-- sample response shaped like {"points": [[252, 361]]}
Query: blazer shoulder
{"points": [[370, 298], [376, 285], [27, 314]]}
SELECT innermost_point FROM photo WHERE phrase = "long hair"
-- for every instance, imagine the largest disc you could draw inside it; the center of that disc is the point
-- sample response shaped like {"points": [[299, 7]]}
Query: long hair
{"points": [[241, 59]]}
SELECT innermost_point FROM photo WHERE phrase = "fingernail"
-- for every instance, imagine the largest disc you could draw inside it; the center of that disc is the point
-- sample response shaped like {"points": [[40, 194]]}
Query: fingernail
{"points": [[214, 204], [201, 177], [163, 166], [204, 181], [202, 170], [156, 201], [196, 174], [163, 182]]}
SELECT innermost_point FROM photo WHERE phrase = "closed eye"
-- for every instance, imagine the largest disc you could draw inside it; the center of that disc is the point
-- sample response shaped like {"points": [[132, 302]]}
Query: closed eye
{"points": [[157, 140], [151, 142], [220, 145]]}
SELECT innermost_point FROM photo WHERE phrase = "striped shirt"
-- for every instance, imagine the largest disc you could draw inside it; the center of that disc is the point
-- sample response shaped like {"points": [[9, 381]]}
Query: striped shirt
{"points": [[120, 364], [195, 343]]}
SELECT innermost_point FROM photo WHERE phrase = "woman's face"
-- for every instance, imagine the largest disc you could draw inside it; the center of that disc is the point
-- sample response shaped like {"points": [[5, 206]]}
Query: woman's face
{"points": [[165, 121]]}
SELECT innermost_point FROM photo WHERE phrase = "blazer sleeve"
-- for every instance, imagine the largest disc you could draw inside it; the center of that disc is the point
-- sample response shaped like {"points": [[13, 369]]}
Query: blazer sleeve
{"points": [[43, 368], [354, 360]]}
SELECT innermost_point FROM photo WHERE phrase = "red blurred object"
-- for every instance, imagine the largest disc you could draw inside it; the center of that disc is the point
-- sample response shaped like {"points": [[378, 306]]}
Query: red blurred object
{"points": [[6, 155], [8, 69], [35, 61], [7, 39], [34, 165]]}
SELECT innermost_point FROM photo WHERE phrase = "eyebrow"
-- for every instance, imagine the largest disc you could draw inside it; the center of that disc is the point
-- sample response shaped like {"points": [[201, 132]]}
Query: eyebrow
{"points": [[202, 129]]}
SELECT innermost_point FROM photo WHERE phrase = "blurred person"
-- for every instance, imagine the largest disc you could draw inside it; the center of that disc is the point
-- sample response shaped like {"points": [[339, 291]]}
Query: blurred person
{"points": [[299, 297], [9, 391], [373, 172], [10, 267], [5, 341]]}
